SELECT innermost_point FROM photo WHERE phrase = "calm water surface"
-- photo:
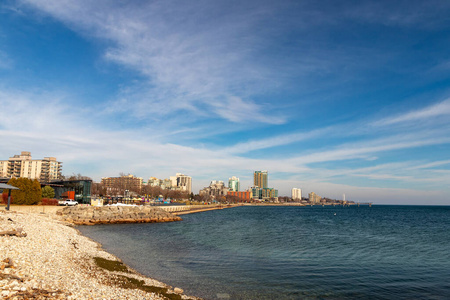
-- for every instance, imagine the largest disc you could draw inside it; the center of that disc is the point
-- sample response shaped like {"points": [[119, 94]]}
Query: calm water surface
{"points": [[382, 252]]}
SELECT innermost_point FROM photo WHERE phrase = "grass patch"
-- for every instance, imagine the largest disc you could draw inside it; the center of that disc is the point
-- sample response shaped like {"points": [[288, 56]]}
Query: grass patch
{"points": [[132, 283], [111, 265]]}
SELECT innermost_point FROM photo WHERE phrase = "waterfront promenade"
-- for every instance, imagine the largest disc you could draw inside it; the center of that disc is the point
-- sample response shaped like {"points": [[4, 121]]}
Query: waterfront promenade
{"points": [[175, 209]]}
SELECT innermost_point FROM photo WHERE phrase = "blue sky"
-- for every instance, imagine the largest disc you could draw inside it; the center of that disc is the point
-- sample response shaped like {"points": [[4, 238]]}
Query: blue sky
{"points": [[328, 96]]}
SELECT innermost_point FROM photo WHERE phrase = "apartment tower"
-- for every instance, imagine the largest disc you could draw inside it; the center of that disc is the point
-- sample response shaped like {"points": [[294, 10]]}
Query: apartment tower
{"points": [[296, 194], [44, 170], [260, 179], [233, 184]]}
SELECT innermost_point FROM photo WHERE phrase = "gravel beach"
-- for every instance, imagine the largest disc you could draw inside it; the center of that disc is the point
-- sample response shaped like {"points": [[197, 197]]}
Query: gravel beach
{"points": [[44, 258]]}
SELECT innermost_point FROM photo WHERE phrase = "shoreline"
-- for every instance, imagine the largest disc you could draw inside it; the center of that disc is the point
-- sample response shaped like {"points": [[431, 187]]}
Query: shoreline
{"points": [[55, 261]]}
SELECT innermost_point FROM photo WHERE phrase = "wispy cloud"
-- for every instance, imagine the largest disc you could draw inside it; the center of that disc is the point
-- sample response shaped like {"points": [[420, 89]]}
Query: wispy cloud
{"points": [[396, 13], [5, 61], [435, 110], [276, 141], [187, 64], [361, 150]]}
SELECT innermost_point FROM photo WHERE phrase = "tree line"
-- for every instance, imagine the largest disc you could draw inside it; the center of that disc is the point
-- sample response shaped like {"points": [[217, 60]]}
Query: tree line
{"points": [[29, 192]]}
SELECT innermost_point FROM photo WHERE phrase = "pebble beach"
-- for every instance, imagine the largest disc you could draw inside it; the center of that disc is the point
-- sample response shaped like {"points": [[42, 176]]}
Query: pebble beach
{"points": [[42, 257]]}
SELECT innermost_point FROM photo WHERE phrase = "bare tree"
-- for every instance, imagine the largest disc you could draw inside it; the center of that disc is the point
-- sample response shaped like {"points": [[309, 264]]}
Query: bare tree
{"points": [[98, 189], [77, 177]]}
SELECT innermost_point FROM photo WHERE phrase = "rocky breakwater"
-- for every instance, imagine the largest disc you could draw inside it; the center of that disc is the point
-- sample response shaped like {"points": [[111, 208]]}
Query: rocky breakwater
{"points": [[91, 215]]}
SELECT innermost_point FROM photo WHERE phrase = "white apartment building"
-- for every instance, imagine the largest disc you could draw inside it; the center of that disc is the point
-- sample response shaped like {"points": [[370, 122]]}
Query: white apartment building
{"points": [[296, 194], [182, 182], [44, 170], [233, 184]]}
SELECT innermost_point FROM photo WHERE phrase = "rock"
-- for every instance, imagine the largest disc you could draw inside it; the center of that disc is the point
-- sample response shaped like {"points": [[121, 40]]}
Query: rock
{"points": [[86, 215], [178, 290]]}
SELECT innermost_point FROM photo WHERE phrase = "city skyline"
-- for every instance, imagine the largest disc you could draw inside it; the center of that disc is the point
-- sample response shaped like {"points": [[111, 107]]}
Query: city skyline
{"points": [[330, 97]]}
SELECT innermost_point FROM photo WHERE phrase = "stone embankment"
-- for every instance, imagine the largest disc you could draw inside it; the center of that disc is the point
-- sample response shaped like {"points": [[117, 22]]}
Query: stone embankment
{"points": [[91, 215]]}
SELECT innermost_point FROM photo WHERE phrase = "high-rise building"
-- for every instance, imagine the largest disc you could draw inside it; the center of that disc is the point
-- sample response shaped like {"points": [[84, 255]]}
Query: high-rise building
{"points": [[260, 190], [233, 184], [44, 170], [260, 179], [182, 182], [296, 194]]}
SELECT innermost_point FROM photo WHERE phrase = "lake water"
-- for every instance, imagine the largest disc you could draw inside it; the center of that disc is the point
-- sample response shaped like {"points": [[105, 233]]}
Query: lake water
{"points": [[378, 252]]}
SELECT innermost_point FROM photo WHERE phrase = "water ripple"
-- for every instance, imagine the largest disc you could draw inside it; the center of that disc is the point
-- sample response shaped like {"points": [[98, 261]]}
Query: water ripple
{"points": [[383, 252]]}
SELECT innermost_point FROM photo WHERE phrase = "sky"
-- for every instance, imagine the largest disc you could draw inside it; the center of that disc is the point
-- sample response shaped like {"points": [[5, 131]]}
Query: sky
{"points": [[331, 97]]}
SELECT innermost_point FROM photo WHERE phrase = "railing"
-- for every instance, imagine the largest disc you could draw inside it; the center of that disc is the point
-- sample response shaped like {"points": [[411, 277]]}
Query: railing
{"points": [[177, 208]]}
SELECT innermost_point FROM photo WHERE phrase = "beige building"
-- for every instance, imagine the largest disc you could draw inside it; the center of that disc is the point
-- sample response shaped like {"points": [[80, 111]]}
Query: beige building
{"points": [[313, 198], [162, 183], [44, 170]]}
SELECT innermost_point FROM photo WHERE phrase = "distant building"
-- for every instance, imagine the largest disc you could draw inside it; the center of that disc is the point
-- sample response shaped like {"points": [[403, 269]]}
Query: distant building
{"points": [[245, 196], [296, 194], [181, 182], [165, 184], [153, 181], [260, 179], [45, 170], [313, 198], [215, 189], [256, 193], [260, 190], [123, 183], [178, 182], [233, 184]]}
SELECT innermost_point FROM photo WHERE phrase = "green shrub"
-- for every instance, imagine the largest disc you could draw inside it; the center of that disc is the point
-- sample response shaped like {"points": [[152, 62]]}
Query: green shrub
{"points": [[29, 192], [48, 192]]}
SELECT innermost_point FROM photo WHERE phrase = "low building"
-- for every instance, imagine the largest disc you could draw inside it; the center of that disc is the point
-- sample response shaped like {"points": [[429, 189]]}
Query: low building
{"points": [[123, 183], [264, 194], [244, 196], [80, 188]]}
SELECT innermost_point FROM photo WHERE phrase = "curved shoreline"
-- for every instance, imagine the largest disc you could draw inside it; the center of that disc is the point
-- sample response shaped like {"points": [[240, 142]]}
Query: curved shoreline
{"points": [[55, 261]]}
